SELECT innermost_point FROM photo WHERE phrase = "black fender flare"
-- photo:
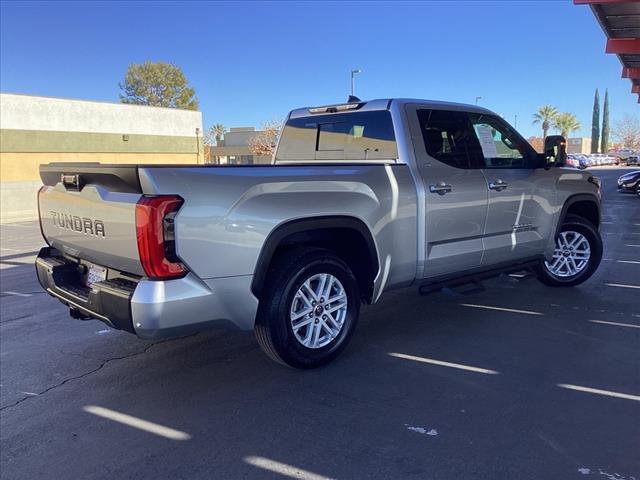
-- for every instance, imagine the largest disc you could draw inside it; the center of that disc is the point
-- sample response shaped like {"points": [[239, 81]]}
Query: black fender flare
{"points": [[572, 199], [278, 234]]}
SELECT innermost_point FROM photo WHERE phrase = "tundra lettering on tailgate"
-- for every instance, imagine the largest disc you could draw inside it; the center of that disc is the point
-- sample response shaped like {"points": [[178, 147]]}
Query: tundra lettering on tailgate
{"points": [[85, 225]]}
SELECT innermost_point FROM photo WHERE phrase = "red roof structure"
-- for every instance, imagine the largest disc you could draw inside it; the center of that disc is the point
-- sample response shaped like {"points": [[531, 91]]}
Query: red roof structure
{"points": [[620, 21]]}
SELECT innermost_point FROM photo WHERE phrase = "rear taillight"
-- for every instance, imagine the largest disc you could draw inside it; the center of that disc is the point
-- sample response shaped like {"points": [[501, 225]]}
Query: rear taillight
{"points": [[156, 240], [41, 190]]}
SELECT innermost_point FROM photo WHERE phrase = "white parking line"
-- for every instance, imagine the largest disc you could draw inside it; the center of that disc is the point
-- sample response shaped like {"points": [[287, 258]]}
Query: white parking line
{"points": [[138, 423], [617, 324], [441, 363], [283, 468], [634, 262], [16, 294], [630, 245], [597, 391], [501, 309], [621, 285]]}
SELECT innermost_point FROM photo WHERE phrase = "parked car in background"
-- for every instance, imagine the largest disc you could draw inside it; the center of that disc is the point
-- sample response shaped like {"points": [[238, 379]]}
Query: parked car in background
{"points": [[630, 182], [577, 160], [583, 161], [632, 160], [623, 154], [597, 159], [572, 161], [600, 159]]}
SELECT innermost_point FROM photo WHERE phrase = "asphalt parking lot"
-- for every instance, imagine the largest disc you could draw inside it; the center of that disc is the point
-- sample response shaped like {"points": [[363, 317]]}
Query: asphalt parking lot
{"points": [[520, 381]]}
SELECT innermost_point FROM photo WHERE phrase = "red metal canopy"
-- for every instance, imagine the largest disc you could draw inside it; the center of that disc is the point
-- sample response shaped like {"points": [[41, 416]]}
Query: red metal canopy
{"points": [[620, 21]]}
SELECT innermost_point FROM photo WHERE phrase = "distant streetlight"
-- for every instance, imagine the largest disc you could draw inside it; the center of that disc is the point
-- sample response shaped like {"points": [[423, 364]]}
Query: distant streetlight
{"points": [[353, 80], [478, 98], [515, 121]]}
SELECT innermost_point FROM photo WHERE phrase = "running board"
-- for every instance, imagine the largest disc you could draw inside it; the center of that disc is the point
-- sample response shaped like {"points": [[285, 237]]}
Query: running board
{"points": [[473, 280]]}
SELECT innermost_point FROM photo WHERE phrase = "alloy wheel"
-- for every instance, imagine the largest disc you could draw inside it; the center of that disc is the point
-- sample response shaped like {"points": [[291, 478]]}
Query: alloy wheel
{"points": [[318, 310], [571, 255]]}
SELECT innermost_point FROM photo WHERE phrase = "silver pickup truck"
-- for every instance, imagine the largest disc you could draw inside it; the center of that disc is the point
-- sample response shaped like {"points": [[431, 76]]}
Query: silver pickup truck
{"points": [[361, 198]]}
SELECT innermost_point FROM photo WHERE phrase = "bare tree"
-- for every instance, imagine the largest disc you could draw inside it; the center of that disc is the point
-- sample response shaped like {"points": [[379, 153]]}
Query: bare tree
{"points": [[263, 144], [627, 132], [537, 143]]}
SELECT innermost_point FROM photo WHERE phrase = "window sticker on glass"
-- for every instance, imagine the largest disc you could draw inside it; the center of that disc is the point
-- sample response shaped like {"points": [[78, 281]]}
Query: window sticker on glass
{"points": [[488, 144]]}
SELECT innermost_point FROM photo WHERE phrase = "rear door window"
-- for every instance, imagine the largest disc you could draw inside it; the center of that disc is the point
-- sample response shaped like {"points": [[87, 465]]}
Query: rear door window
{"points": [[448, 137]]}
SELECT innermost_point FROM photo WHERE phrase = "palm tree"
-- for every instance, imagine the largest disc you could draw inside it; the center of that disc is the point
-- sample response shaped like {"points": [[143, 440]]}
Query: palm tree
{"points": [[218, 130], [566, 123], [545, 116]]}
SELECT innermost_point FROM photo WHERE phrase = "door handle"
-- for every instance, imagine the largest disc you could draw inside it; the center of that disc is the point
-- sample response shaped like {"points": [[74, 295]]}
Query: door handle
{"points": [[498, 185], [441, 188]]}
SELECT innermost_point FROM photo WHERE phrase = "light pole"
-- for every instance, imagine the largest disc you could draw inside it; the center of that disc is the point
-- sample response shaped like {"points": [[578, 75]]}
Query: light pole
{"points": [[515, 121], [478, 98], [353, 80]]}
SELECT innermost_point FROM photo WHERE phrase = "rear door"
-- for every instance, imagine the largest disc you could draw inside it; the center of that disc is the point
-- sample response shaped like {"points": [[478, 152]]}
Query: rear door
{"points": [[519, 208], [456, 194]]}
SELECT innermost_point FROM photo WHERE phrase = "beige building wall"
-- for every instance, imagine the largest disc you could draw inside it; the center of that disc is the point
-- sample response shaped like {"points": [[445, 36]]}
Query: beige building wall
{"points": [[579, 145], [36, 130]]}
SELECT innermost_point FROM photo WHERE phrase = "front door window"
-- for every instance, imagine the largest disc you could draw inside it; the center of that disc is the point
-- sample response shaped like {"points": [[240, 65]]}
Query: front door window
{"points": [[499, 145]]}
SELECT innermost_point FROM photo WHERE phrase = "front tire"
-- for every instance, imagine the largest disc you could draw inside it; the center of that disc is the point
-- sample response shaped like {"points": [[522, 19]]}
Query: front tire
{"points": [[309, 309], [576, 257]]}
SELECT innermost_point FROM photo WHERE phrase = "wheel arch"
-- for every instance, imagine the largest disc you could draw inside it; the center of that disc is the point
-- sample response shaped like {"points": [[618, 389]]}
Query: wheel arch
{"points": [[355, 246], [584, 205]]}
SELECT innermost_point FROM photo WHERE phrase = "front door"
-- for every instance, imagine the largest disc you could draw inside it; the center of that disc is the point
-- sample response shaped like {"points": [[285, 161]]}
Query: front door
{"points": [[456, 194], [518, 192]]}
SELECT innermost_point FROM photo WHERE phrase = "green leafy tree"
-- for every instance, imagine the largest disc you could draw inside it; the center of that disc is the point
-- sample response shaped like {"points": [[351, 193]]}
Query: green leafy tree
{"points": [[157, 84], [604, 139], [545, 116], [566, 123], [595, 123]]}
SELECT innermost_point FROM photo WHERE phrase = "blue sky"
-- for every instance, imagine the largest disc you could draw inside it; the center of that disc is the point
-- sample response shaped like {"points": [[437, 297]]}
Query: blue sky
{"points": [[252, 62]]}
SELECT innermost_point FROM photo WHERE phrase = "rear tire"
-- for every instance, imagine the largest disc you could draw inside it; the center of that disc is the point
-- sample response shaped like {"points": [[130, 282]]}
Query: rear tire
{"points": [[296, 325], [577, 239]]}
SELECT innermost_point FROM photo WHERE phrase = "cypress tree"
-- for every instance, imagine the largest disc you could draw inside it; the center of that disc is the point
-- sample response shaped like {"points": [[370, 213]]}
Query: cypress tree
{"points": [[604, 140], [595, 123]]}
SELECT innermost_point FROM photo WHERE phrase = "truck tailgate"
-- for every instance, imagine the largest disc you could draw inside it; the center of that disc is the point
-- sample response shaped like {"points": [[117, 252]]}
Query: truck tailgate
{"points": [[88, 211]]}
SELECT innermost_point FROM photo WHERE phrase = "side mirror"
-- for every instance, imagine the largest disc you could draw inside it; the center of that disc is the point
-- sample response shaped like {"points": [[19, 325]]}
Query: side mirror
{"points": [[555, 151]]}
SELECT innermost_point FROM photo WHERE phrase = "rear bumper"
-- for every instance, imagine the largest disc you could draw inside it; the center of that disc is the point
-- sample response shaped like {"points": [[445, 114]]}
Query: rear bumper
{"points": [[150, 309], [108, 301]]}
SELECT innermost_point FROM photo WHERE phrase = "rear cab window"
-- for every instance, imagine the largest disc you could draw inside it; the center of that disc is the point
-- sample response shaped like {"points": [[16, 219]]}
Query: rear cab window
{"points": [[350, 137]]}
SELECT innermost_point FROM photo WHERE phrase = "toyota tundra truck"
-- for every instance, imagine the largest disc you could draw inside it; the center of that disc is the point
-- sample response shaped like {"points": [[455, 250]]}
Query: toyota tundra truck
{"points": [[361, 198]]}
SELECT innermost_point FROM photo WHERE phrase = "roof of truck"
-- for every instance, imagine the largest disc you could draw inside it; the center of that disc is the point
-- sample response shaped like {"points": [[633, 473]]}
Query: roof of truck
{"points": [[385, 104]]}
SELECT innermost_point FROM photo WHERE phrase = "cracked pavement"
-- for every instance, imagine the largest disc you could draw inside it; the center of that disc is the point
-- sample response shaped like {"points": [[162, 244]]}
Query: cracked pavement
{"points": [[361, 417]]}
